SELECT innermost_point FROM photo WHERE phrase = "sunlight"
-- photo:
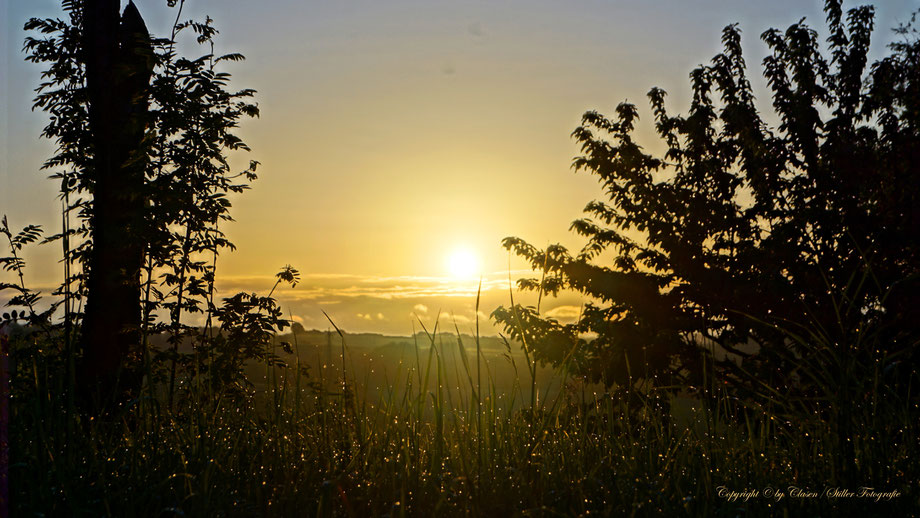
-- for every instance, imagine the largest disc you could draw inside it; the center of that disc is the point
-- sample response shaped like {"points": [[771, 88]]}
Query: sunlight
{"points": [[463, 263]]}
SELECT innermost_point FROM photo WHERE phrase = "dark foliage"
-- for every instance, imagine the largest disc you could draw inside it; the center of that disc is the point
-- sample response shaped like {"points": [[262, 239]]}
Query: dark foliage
{"points": [[178, 202], [762, 259]]}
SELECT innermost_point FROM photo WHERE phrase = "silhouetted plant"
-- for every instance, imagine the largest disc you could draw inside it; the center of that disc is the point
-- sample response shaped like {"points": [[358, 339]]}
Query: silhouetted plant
{"points": [[742, 231], [24, 296], [182, 197], [247, 324]]}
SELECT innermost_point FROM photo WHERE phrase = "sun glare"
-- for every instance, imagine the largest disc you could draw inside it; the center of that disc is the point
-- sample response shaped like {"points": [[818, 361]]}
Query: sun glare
{"points": [[462, 263]]}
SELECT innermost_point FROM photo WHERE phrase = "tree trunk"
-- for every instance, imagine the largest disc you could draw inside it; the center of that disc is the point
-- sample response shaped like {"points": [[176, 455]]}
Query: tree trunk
{"points": [[119, 64]]}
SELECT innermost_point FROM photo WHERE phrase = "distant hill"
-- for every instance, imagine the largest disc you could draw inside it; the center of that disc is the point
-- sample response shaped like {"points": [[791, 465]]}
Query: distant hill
{"points": [[379, 364], [319, 338]]}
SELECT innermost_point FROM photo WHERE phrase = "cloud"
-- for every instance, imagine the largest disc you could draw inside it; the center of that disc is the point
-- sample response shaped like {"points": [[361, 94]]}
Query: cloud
{"points": [[394, 304], [459, 319], [391, 304], [569, 313], [468, 317], [332, 288]]}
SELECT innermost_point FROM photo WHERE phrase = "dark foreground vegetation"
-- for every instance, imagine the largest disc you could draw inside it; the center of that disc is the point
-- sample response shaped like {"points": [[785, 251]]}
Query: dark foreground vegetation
{"points": [[750, 351], [296, 447]]}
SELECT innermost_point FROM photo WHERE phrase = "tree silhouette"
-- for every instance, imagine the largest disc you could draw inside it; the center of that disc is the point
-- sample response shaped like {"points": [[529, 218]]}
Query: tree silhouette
{"points": [[143, 138], [749, 250], [119, 60]]}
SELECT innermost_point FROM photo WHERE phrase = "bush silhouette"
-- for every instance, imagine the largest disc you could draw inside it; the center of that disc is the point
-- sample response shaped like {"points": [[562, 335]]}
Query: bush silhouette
{"points": [[763, 259]]}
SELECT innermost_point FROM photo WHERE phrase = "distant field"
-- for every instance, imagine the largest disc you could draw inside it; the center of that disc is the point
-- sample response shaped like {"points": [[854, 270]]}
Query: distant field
{"points": [[381, 365]]}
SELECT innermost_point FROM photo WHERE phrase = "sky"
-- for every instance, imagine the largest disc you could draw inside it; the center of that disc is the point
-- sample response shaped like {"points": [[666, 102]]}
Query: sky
{"points": [[400, 141]]}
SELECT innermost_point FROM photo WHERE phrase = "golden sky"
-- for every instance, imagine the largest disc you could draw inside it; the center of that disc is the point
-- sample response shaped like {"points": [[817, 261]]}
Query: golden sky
{"points": [[396, 135]]}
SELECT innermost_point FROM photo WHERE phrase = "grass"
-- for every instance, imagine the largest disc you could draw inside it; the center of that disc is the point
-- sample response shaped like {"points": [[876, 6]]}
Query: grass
{"points": [[441, 436]]}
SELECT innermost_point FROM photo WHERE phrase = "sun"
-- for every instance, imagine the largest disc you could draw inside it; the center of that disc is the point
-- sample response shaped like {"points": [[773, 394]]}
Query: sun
{"points": [[463, 263]]}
